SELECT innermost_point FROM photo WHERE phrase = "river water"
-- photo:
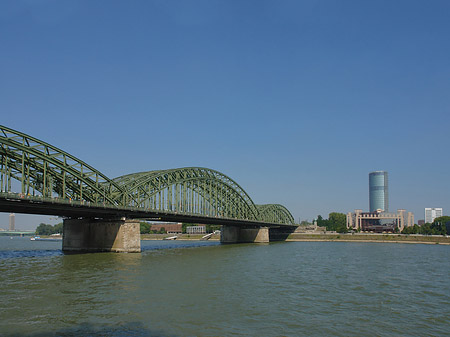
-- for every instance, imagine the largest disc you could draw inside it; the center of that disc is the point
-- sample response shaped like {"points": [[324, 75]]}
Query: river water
{"points": [[176, 288]]}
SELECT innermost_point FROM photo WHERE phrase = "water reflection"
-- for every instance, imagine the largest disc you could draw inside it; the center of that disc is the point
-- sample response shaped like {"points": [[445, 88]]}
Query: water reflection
{"points": [[88, 329]]}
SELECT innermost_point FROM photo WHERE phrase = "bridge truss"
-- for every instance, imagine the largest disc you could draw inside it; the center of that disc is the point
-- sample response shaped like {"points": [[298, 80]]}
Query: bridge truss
{"points": [[33, 169]]}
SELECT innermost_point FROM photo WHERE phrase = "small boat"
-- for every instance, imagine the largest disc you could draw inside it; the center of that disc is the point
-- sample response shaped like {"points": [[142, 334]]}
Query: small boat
{"points": [[171, 238], [38, 238]]}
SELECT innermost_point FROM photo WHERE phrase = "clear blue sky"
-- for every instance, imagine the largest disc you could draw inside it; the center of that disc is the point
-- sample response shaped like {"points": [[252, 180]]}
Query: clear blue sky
{"points": [[297, 101]]}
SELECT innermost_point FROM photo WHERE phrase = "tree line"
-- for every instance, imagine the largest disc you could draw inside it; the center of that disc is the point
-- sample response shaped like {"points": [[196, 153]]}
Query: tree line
{"points": [[440, 226], [338, 222], [146, 228], [45, 229], [335, 222]]}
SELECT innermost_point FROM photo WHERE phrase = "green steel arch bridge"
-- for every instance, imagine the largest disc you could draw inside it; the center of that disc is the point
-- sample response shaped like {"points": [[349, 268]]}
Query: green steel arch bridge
{"points": [[39, 178]]}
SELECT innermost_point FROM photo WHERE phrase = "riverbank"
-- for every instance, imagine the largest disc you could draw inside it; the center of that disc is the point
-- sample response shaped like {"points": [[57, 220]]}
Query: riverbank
{"points": [[331, 237], [394, 238], [214, 237]]}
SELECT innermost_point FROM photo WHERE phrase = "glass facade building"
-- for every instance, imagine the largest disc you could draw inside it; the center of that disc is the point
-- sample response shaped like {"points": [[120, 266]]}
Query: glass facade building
{"points": [[378, 191]]}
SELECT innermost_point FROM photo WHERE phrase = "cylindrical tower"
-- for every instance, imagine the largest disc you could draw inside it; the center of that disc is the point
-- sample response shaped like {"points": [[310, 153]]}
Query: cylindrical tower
{"points": [[12, 222], [378, 191]]}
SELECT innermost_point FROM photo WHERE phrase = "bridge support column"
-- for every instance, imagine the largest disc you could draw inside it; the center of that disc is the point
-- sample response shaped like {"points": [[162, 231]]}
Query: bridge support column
{"points": [[235, 234], [97, 235]]}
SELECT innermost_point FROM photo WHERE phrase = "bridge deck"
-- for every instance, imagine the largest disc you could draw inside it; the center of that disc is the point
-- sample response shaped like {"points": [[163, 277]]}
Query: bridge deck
{"points": [[12, 202]]}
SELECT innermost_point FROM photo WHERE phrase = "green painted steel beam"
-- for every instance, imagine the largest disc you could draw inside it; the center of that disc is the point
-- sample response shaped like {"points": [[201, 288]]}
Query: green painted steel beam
{"points": [[41, 169]]}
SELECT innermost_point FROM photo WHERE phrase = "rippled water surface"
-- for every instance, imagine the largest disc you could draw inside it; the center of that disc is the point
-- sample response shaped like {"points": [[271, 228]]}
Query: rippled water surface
{"points": [[176, 288]]}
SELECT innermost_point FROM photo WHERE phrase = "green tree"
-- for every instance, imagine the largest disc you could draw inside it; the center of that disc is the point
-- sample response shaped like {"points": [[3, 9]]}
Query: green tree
{"points": [[321, 222], [212, 228], [425, 229], [45, 229], [442, 224], [411, 230], [337, 222], [58, 228], [144, 227]]}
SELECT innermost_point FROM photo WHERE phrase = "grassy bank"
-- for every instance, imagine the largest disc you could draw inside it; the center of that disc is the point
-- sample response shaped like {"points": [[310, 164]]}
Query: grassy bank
{"points": [[396, 238], [371, 238]]}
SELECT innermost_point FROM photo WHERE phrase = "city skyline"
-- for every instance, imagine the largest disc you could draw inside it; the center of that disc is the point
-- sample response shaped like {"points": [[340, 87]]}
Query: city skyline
{"points": [[281, 97]]}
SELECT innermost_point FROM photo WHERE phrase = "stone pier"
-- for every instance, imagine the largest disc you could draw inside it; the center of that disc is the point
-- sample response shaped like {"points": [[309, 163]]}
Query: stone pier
{"points": [[235, 234], [101, 235]]}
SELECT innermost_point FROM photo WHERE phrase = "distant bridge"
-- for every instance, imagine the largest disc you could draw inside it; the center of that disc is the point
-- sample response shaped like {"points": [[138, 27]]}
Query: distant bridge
{"points": [[15, 233], [38, 178]]}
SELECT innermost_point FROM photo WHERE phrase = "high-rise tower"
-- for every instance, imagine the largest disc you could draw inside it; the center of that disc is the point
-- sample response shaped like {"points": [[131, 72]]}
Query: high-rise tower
{"points": [[378, 191], [12, 222], [432, 213]]}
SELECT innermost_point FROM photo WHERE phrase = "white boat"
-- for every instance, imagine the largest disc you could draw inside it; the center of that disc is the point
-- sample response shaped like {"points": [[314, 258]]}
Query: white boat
{"points": [[38, 238], [171, 238]]}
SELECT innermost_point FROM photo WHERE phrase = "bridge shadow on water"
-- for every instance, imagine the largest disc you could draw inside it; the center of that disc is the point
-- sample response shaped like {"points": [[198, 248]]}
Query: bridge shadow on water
{"points": [[133, 329]]}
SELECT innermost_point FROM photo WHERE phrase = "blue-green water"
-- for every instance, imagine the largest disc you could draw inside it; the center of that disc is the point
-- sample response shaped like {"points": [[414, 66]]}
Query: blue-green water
{"points": [[207, 289]]}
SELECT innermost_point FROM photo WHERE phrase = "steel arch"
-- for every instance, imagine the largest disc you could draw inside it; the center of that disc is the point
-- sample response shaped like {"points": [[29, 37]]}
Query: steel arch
{"points": [[193, 190], [43, 169], [275, 213]]}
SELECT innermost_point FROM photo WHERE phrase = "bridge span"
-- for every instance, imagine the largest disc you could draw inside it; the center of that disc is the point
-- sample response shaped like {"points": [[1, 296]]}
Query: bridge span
{"points": [[101, 214]]}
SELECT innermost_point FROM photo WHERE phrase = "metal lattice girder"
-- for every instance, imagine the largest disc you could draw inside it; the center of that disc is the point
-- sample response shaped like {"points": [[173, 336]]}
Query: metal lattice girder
{"points": [[275, 213], [43, 170], [189, 190]]}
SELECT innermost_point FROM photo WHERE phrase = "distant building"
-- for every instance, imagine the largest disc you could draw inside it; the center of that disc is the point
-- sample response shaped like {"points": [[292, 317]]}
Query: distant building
{"points": [[421, 222], [306, 228], [432, 213], [379, 221], [378, 191], [169, 227], [12, 222], [196, 229]]}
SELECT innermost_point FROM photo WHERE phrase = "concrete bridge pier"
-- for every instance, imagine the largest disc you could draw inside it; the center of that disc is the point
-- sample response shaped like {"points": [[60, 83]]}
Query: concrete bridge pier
{"points": [[101, 235], [235, 234]]}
